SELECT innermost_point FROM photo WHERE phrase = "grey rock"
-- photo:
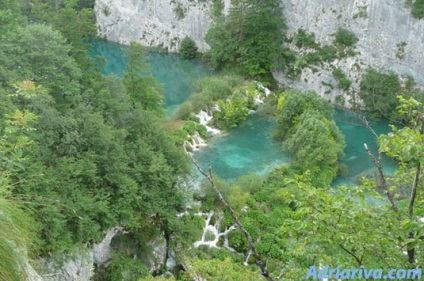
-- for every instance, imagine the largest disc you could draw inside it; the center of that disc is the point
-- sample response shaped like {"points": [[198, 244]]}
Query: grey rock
{"points": [[153, 22], [380, 26]]}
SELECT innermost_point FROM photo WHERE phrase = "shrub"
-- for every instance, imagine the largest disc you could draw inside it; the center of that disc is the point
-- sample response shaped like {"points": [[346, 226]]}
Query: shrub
{"points": [[184, 111], [342, 81], [217, 8], [328, 53], [215, 87], [418, 9], [188, 48], [345, 37], [378, 91], [179, 12], [305, 40], [232, 113]]}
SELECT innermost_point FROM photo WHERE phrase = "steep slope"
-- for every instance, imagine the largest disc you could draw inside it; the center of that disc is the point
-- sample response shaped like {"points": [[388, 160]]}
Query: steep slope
{"points": [[389, 37], [154, 23]]}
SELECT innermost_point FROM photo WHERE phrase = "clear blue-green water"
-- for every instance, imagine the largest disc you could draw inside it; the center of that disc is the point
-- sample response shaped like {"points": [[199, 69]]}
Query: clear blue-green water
{"points": [[176, 74], [356, 157], [248, 148]]}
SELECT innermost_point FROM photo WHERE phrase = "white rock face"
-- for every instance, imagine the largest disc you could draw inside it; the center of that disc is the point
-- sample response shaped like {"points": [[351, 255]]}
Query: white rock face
{"points": [[153, 22], [81, 266], [380, 25]]}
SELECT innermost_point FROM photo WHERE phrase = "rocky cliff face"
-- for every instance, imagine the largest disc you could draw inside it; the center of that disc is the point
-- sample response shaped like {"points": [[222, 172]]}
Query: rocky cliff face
{"points": [[389, 37], [154, 22]]}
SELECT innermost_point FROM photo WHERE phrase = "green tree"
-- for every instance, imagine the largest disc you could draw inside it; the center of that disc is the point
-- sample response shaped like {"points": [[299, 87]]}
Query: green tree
{"points": [[188, 48], [231, 113], [418, 9], [39, 53], [142, 88], [306, 132], [17, 229], [378, 91], [238, 41], [316, 144], [406, 145], [294, 104], [337, 228]]}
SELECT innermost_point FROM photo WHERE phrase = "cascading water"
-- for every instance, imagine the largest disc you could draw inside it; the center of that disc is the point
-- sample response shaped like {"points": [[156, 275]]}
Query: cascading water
{"points": [[204, 119], [249, 147]]}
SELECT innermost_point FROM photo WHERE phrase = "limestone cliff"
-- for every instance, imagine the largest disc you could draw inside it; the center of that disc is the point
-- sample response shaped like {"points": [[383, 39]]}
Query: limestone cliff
{"points": [[154, 22], [389, 37]]}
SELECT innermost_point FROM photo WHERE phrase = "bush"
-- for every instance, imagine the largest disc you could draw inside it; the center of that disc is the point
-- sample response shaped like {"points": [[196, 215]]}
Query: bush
{"points": [[342, 81], [328, 53], [179, 12], [345, 37], [418, 9], [378, 91], [188, 48], [217, 87], [232, 113], [125, 268], [305, 40], [184, 111], [191, 127]]}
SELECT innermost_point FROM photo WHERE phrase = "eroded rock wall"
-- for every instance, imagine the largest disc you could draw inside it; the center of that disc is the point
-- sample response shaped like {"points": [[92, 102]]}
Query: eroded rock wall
{"points": [[381, 26], [154, 22]]}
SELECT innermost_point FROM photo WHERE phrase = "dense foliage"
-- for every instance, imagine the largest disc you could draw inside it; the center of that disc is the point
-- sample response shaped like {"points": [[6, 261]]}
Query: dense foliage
{"points": [[98, 157], [142, 88], [345, 37], [378, 91], [249, 38], [308, 133], [188, 48], [17, 229], [342, 81], [87, 153], [418, 9], [309, 54]]}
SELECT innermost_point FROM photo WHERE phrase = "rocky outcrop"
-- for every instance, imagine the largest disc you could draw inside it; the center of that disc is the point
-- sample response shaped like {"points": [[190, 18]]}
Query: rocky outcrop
{"points": [[389, 39], [159, 254], [154, 22], [81, 266]]}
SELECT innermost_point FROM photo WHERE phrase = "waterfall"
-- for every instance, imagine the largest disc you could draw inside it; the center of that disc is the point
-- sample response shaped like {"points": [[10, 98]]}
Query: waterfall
{"points": [[262, 93], [214, 231], [205, 118]]}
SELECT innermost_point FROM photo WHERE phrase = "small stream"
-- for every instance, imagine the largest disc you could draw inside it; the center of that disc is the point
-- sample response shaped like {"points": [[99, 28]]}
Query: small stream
{"points": [[248, 148]]}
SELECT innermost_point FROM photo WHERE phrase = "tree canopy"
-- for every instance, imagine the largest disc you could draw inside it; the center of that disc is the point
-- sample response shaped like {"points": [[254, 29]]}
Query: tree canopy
{"points": [[249, 38]]}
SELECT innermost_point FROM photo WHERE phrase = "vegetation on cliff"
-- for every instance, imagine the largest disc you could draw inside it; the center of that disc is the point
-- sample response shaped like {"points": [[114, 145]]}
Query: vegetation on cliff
{"points": [[98, 156], [238, 40]]}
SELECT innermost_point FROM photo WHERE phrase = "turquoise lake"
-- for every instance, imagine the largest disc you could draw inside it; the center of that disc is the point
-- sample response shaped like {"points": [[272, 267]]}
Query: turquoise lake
{"points": [[248, 148], [176, 74]]}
